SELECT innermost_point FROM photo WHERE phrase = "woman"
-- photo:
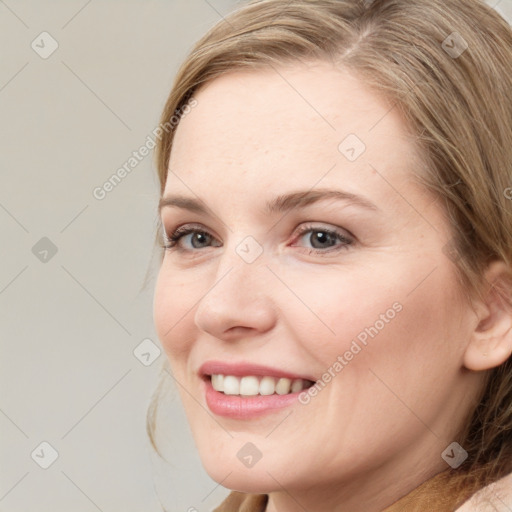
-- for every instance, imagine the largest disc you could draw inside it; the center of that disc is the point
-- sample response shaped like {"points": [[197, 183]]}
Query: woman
{"points": [[335, 294]]}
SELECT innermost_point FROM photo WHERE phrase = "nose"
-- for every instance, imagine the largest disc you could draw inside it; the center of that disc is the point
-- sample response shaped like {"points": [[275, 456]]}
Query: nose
{"points": [[238, 302]]}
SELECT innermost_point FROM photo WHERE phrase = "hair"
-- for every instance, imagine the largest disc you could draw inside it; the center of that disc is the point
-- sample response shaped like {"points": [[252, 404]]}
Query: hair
{"points": [[459, 110]]}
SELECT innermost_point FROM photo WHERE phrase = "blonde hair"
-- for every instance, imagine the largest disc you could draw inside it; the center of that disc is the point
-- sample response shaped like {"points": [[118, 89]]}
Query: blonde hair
{"points": [[458, 107]]}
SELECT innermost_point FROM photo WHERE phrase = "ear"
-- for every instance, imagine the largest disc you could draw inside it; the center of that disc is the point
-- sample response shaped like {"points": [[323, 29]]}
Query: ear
{"points": [[491, 341]]}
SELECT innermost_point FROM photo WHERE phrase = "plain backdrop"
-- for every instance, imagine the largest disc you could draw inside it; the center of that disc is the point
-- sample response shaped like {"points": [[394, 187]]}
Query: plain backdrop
{"points": [[82, 85]]}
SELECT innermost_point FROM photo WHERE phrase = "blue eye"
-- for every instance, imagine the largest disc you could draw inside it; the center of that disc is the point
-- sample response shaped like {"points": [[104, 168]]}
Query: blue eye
{"points": [[198, 235], [322, 240]]}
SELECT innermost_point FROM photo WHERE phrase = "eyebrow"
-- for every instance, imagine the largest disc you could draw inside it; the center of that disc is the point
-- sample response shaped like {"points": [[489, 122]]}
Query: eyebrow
{"points": [[280, 204]]}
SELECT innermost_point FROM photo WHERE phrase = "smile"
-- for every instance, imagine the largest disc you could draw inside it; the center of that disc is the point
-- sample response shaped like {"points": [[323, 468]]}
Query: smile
{"points": [[246, 391], [252, 385]]}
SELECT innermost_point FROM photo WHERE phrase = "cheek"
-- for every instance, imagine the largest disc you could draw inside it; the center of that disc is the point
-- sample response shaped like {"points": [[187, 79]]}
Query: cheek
{"points": [[172, 302], [384, 319], [346, 312], [401, 344]]}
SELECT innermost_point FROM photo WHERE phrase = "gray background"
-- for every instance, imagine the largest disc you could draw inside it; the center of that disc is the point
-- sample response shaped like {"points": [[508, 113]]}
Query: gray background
{"points": [[70, 321]]}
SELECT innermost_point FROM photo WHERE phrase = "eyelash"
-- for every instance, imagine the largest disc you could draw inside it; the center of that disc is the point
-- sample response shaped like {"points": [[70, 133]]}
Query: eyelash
{"points": [[171, 241]]}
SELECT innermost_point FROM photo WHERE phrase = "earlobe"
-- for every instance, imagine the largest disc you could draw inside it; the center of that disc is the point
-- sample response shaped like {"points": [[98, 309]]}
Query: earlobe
{"points": [[488, 354], [491, 341]]}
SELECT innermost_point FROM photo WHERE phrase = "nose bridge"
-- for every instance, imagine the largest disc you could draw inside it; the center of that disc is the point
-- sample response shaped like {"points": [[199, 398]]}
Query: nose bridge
{"points": [[239, 295], [241, 271]]}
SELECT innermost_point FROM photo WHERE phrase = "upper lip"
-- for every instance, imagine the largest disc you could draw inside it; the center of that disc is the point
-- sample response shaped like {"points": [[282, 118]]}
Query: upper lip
{"points": [[243, 369]]}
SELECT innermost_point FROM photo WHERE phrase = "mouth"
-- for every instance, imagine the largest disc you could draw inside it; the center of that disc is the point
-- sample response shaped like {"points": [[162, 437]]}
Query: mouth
{"points": [[252, 385], [245, 391]]}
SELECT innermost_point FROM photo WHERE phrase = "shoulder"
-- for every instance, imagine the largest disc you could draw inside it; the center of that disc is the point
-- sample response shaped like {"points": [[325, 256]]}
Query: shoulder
{"points": [[495, 497]]}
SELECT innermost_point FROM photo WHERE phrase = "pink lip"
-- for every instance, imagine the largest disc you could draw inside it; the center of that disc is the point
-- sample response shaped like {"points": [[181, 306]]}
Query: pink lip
{"points": [[246, 369], [244, 408]]}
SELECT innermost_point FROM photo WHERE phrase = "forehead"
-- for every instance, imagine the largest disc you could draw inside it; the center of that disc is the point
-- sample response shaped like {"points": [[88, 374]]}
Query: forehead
{"points": [[265, 127]]}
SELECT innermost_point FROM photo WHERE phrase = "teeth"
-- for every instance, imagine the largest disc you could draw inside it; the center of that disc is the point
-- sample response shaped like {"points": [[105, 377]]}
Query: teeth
{"points": [[231, 385], [218, 382], [283, 386], [267, 386], [297, 385], [249, 386], [252, 386]]}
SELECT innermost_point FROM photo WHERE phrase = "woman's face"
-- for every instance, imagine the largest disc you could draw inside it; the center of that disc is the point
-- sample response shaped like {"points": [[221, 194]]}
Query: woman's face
{"points": [[284, 280]]}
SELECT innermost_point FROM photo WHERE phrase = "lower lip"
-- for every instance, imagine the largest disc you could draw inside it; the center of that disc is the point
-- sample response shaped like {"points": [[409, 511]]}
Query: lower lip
{"points": [[247, 407]]}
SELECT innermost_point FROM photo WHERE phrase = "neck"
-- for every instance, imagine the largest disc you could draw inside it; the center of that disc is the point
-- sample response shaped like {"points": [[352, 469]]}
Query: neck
{"points": [[439, 492]]}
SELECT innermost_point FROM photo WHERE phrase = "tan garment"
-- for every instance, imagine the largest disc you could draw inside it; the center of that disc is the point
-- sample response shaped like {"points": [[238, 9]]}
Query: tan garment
{"points": [[433, 495], [242, 502]]}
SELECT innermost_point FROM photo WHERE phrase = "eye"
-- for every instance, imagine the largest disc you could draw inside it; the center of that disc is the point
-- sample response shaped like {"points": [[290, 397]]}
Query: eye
{"points": [[190, 238], [198, 238], [323, 239]]}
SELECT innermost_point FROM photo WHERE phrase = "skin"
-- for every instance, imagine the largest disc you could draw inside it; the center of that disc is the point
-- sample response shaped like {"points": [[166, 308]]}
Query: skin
{"points": [[377, 430]]}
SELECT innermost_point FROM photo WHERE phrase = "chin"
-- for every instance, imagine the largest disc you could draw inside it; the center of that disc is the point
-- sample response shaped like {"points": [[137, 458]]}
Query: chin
{"points": [[236, 465], [244, 480]]}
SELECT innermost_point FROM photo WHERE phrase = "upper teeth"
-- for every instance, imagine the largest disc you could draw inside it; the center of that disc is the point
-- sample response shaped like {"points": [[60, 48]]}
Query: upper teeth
{"points": [[250, 385]]}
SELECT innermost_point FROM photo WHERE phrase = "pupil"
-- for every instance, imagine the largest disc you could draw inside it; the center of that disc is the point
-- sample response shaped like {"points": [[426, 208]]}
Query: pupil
{"points": [[198, 237], [322, 237]]}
